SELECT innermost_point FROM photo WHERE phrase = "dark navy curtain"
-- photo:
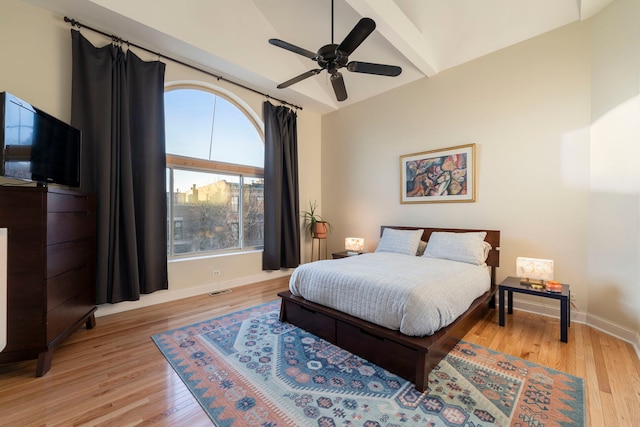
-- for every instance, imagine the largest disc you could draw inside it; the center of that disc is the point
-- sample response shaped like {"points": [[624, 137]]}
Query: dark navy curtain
{"points": [[281, 199], [118, 103]]}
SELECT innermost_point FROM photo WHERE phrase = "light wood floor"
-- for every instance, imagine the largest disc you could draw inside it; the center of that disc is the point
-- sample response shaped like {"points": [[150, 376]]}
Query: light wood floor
{"points": [[115, 375]]}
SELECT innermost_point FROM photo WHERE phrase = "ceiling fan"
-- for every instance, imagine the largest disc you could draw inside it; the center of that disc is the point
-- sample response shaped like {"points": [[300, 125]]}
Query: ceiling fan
{"points": [[332, 57]]}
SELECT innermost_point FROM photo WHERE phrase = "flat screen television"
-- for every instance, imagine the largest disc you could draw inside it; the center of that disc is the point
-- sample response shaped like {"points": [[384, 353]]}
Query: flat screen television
{"points": [[36, 146]]}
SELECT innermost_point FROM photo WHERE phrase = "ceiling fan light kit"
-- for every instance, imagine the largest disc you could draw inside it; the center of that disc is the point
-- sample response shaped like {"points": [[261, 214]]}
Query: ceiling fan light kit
{"points": [[332, 57]]}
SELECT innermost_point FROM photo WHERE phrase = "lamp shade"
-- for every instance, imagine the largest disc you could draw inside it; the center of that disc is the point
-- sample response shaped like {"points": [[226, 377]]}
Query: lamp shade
{"points": [[354, 244], [534, 269]]}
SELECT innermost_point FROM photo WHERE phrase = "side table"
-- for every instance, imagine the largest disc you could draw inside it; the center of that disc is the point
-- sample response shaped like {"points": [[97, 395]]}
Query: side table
{"points": [[343, 254], [512, 284]]}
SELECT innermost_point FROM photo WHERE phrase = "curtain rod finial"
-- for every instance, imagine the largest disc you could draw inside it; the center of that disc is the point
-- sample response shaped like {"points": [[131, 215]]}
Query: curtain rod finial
{"points": [[73, 22]]}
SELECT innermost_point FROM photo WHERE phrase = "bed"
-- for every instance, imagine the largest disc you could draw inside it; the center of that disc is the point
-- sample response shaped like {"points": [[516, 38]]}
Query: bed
{"points": [[411, 357]]}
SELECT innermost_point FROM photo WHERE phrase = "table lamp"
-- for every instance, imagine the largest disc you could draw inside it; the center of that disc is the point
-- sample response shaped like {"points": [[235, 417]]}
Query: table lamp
{"points": [[354, 245], [534, 271]]}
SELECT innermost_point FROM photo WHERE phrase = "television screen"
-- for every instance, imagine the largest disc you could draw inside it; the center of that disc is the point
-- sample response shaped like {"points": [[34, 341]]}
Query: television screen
{"points": [[36, 146]]}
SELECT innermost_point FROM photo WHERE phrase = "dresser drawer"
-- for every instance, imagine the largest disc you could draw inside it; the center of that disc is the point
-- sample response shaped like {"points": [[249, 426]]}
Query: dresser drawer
{"points": [[69, 226], [66, 316], [65, 257], [59, 202], [66, 286]]}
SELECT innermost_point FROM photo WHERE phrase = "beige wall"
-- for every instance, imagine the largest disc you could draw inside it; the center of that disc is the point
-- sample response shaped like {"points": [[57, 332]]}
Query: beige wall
{"points": [[614, 202], [36, 49], [546, 169]]}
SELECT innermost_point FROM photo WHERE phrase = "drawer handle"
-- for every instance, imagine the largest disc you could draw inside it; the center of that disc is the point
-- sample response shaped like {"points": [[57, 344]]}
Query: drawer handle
{"points": [[364, 332], [307, 309]]}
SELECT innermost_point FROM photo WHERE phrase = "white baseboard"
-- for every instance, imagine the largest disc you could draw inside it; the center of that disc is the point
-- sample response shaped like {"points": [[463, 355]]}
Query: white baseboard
{"points": [[552, 310], [172, 295], [625, 334], [606, 326]]}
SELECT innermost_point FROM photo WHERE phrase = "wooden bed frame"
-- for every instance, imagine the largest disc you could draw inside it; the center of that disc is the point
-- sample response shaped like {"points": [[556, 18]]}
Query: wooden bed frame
{"points": [[409, 357]]}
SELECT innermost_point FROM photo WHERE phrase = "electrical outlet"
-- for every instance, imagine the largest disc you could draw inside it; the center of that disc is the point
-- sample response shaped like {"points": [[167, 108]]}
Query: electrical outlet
{"points": [[573, 296], [215, 273]]}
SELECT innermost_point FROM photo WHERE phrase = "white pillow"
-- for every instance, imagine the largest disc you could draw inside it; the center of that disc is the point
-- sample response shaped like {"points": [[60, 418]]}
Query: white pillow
{"points": [[486, 248], [462, 247], [399, 241]]}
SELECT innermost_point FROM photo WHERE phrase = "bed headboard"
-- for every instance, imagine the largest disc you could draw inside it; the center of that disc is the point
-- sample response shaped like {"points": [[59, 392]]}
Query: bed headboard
{"points": [[493, 238]]}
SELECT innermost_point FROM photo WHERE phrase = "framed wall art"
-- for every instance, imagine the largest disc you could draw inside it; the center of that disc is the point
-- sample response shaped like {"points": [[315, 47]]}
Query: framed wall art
{"points": [[436, 176]]}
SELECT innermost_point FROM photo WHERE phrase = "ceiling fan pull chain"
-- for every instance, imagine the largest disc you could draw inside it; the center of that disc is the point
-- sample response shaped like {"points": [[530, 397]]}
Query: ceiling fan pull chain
{"points": [[331, 21]]}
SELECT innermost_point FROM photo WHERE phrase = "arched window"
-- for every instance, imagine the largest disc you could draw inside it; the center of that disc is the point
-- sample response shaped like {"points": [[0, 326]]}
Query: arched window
{"points": [[215, 185]]}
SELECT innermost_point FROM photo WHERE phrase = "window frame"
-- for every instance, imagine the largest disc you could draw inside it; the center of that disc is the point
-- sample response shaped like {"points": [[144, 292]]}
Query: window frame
{"points": [[177, 162]]}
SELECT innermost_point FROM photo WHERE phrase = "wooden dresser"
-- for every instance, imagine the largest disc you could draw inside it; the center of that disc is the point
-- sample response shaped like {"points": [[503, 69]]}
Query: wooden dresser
{"points": [[50, 269]]}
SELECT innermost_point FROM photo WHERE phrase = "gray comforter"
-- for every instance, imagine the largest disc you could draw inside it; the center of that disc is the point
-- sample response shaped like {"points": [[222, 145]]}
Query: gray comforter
{"points": [[415, 295]]}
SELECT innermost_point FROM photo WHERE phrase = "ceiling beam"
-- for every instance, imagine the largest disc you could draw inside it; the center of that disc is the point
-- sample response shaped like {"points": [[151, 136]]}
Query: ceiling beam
{"points": [[394, 25], [588, 8]]}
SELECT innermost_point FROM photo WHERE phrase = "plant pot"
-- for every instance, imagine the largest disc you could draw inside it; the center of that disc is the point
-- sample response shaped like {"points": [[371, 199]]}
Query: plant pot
{"points": [[320, 231]]}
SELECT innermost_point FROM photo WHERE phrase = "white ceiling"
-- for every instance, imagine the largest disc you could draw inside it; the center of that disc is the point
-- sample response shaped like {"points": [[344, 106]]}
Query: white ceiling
{"points": [[229, 37]]}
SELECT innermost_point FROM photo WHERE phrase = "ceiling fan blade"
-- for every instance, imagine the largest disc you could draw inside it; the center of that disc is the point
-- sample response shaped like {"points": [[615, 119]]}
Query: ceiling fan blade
{"points": [[370, 68], [293, 48], [361, 31], [338, 86], [299, 78]]}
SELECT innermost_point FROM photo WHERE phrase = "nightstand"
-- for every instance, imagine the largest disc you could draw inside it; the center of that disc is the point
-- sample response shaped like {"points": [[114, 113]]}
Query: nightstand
{"points": [[342, 254], [512, 284]]}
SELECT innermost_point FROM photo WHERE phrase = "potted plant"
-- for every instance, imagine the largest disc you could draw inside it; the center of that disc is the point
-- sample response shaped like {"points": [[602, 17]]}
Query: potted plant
{"points": [[314, 225]]}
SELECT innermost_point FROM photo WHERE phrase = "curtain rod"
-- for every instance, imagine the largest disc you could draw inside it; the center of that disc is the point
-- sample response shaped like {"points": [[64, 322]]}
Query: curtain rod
{"points": [[117, 39]]}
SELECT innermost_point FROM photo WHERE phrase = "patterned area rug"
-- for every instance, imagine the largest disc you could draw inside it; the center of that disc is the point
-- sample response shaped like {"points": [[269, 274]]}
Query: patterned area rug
{"points": [[248, 369]]}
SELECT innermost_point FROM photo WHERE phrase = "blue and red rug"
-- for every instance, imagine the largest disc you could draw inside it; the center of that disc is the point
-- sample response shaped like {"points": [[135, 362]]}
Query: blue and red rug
{"points": [[248, 369]]}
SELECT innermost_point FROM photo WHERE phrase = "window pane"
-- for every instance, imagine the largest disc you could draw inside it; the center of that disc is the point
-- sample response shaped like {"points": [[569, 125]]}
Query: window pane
{"points": [[188, 120], [253, 212], [203, 125], [203, 215], [235, 139]]}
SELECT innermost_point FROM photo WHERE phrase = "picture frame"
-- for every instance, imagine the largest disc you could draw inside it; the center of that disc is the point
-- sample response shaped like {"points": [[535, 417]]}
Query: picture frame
{"points": [[439, 176]]}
